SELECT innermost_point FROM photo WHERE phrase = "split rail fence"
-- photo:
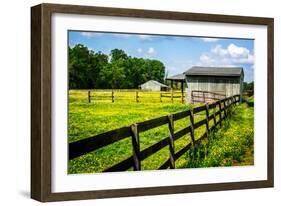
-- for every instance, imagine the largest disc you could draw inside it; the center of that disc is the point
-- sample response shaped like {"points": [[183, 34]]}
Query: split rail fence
{"points": [[205, 96], [90, 144], [136, 96]]}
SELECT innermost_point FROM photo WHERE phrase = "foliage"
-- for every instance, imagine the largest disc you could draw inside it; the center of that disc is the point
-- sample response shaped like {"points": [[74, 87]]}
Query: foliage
{"points": [[230, 145], [95, 70], [248, 86], [250, 99], [84, 67]]}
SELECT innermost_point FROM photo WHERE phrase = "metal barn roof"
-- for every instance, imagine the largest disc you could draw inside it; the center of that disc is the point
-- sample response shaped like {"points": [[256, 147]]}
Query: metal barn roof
{"points": [[215, 71], [177, 77]]}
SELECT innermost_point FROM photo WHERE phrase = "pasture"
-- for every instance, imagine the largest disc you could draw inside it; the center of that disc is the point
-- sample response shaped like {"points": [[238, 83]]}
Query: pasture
{"points": [[89, 119]]}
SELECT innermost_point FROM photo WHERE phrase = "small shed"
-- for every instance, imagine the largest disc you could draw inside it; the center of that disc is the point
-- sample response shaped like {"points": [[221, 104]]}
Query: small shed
{"points": [[178, 78], [153, 85], [217, 81]]}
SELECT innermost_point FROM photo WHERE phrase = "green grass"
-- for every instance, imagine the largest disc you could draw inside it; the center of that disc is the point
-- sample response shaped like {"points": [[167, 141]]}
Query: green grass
{"points": [[250, 99], [231, 145], [87, 120], [128, 95]]}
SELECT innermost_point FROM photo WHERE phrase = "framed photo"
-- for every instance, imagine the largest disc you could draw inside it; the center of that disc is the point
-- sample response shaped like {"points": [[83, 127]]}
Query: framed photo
{"points": [[130, 102]]}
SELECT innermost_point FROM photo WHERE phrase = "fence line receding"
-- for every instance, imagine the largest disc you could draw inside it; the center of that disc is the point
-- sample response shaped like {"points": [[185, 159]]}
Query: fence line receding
{"points": [[84, 146], [135, 96]]}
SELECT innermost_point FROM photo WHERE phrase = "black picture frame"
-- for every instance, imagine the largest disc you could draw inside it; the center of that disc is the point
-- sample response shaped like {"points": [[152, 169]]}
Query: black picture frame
{"points": [[41, 96]]}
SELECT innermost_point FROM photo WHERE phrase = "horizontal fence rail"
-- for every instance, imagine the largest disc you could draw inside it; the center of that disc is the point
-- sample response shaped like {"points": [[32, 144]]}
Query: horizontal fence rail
{"points": [[136, 96], [205, 96], [84, 146]]}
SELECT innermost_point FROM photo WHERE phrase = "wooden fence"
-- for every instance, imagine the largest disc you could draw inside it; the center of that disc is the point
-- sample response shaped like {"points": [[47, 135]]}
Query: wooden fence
{"points": [[136, 96], [90, 144], [205, 96]]}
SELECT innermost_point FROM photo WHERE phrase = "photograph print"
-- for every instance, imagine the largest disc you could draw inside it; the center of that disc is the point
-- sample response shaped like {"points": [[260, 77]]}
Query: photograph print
{"points": [[151, 102]]}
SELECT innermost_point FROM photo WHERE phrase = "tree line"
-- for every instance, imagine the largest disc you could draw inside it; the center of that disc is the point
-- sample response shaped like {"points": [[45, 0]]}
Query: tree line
{"points": [[248, 86], [95, 70]]}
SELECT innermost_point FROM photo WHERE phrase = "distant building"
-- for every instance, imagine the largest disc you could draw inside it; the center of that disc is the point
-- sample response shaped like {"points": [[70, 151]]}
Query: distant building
{"points": [[226, 81], [178, 78], [153, 85]]}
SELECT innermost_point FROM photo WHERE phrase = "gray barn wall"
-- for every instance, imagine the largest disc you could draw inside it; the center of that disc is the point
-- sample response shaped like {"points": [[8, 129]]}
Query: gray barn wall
{"points": [[224, 85]]}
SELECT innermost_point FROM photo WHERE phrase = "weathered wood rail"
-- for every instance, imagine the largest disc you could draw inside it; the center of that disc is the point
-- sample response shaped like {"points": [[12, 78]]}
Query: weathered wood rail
{"points": [[205, 96], [90, 144], [135, 96]]}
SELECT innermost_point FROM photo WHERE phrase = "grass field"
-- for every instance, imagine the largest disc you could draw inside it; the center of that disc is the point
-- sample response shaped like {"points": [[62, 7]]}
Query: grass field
{"points": [[128, 95], [87, 120], [232, 145]]}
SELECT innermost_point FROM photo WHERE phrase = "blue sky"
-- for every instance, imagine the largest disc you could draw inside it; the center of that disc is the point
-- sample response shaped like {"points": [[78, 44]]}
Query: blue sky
{"points": [[178, 53]]}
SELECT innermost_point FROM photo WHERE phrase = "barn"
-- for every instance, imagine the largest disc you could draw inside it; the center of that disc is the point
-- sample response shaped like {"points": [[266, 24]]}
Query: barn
{"points": [[206, 84], [153, 85]]}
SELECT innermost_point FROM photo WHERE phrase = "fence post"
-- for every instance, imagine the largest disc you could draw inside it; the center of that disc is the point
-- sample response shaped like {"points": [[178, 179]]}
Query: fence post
{"points": [[137, 96], [191, 116], [224, 109], [229, 106], [171, 142], [204, 100], [160, 96], [207, 119], [136, 147], [172, 96], [237, 100], [232, 102], [112, 96], [89, 96], [220, 112], [214, 114]]}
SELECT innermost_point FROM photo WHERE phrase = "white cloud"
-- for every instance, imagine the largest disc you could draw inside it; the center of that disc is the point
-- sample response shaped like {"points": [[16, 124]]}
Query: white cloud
{"points": [[237, 52], [210, 39], [95, 34], [139, 50], [151, 50], [90, 34], [206, 59], [218, 50], [145, 37], [231, 55], [123, 35], [86, 34]]}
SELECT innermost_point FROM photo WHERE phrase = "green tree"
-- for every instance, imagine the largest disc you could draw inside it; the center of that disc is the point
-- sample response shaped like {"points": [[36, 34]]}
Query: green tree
{"points": [[84, 67], [248, 86], [100, 61], [117, 54], [113, 75], [88, 70], [78, 66]]}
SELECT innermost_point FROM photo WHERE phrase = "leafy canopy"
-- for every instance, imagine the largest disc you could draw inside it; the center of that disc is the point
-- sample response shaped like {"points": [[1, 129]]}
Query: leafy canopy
{"points": [[95, 70]]}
